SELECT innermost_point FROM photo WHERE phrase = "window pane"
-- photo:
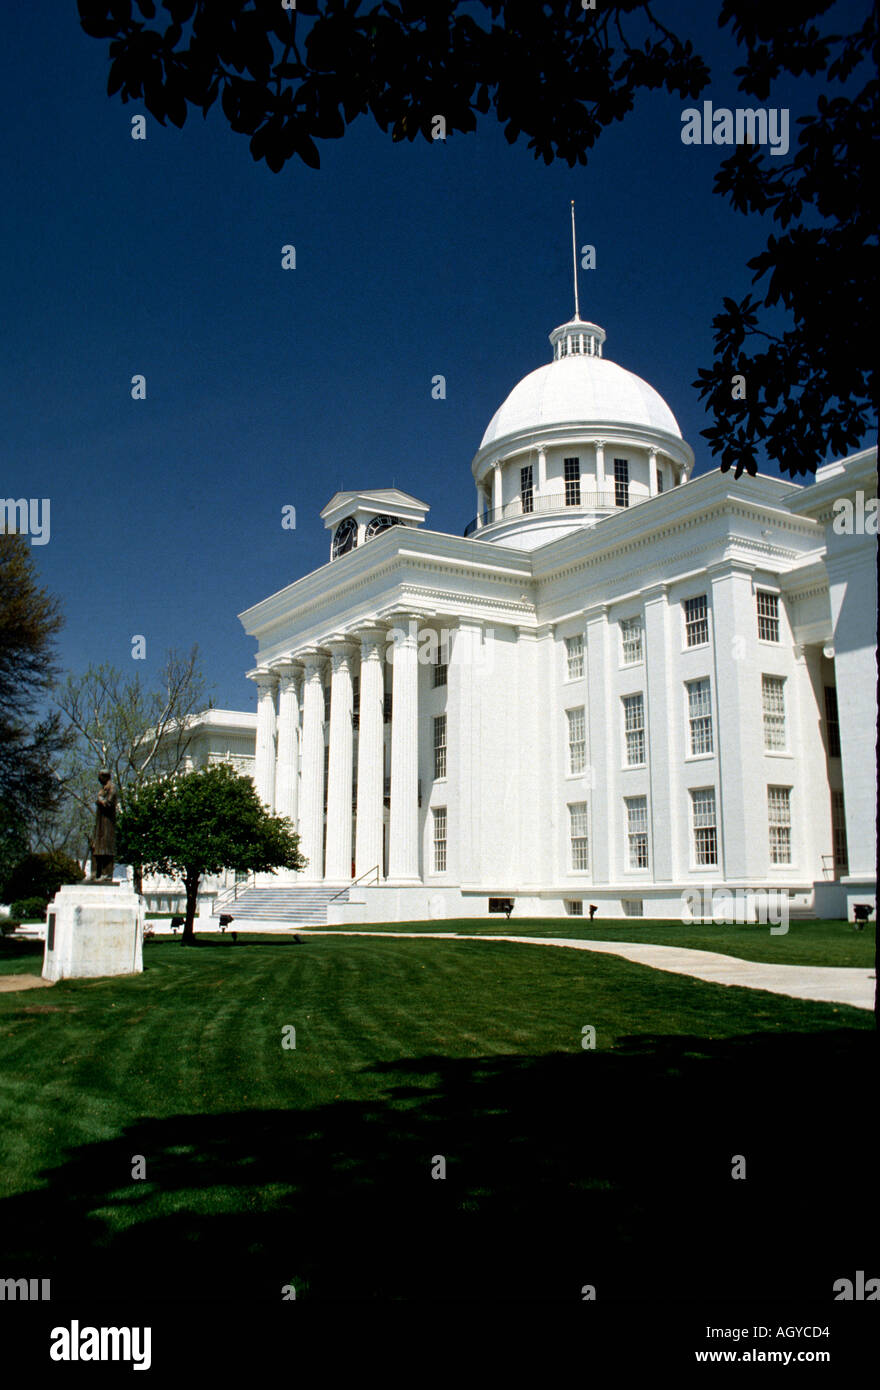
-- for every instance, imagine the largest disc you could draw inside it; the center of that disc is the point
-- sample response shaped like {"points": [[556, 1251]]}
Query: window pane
{"points": [[696, 621], [773, 703], [631, 634], [768, 616]]}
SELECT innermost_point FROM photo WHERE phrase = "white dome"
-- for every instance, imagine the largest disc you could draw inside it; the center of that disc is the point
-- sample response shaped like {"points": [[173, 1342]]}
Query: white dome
{"points": [[580, 390]]}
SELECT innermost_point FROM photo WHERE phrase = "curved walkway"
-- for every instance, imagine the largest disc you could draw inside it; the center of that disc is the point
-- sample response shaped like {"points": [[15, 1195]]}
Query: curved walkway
{"points": [[10, 983], [831, 984]]}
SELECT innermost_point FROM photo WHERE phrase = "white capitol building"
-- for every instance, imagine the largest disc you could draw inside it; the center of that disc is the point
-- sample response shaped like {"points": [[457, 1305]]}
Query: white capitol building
{"points": [[618, 685]]}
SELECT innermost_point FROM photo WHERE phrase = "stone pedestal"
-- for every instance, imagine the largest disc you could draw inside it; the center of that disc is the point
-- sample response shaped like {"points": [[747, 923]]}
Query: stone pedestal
{"points": [[94, 929]]}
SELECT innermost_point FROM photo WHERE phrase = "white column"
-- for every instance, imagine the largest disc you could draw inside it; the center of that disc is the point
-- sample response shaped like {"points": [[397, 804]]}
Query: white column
{"points": [[663, 720], [496, 492], [604, 745], [600, 468], [371, 750], [542, 469], [264, 761], [652, 473], [339, 778], [311, 808], [287, 763], [403, 858], [741, 804], [479, 507]]}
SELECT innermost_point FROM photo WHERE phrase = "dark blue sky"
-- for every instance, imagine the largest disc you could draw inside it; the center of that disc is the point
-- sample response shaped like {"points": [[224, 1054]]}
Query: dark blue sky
{"points": [[268, 387]]}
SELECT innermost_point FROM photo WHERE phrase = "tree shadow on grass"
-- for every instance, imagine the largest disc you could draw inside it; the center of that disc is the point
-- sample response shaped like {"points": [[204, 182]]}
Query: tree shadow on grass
{"points": [[611, 1169]]}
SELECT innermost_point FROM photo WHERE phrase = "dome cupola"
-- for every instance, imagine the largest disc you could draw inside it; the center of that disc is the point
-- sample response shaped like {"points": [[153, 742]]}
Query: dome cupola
{"points": [[574, 441]]}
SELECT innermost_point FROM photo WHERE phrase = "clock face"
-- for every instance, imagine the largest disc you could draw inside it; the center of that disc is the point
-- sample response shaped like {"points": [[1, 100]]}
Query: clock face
{"points": [[345, 538], [379, 523]]}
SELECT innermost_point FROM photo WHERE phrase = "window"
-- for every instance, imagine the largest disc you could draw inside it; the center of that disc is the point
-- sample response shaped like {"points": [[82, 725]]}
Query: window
{"points": [[696, 621], [574, 907], [441, 672], [703, 820], [574, 657], [572, 469], [344, 538], [326, 704], [575, 342], [637, 831], [838, 832], [439, 814], [379, 524], [659, 482], [621, 482], [700, 716], [768, 616], [779, 817], [832, 722], [633, 907], [773, 702], [577, 744], [634, 729], [439, 746], [580, 849], [525, 487], [386, 707], [355, 701], [631, 636]]}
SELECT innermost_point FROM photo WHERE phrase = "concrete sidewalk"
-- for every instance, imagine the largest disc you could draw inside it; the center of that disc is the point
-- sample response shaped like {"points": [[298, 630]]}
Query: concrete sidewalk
{"points": [[829, 983]]}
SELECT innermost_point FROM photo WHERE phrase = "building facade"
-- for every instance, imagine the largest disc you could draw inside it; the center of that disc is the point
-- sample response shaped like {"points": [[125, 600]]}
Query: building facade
{"points": [[618, 686]]}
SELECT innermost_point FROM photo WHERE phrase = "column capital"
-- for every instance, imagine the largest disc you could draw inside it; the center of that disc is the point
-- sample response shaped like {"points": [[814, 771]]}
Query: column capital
{"points": [[311, 659], [372, 639], [600, 443], [655, 591], [264, 677], [339, 645], [404, 613], [287, 670]]}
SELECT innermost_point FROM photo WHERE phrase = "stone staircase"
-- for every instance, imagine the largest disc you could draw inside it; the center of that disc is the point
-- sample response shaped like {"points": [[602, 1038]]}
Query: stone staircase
{"points": [[300, 905]]}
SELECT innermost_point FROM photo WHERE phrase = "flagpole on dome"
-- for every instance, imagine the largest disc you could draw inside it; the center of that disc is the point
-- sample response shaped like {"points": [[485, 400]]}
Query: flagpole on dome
{"points": [[574, 265]]}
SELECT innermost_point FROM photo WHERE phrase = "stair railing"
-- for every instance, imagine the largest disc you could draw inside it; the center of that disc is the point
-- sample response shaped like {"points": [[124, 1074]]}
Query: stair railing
{"points": [[348, 886]]}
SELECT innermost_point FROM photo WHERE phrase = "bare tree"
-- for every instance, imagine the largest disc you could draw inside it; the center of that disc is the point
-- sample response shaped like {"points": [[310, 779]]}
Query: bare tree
{"points": [[136, 732]]}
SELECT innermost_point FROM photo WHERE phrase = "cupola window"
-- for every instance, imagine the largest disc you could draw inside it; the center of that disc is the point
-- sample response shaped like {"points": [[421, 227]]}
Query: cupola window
{"points": [[378, 524], [621, 482], [572, 469], [525, 487], [345, 538]]}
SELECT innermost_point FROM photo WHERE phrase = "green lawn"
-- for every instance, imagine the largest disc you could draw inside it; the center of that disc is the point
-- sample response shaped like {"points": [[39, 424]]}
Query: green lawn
{"points": [[805, 943], [266, 1166]]}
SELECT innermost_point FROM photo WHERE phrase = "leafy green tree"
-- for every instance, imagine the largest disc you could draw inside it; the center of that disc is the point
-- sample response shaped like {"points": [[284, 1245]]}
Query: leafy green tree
{"points": [[560, 74], [40, 875], [203, 822], [31, 742]]}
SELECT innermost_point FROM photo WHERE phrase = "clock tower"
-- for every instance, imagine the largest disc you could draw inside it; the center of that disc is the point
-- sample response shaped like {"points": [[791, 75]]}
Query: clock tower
{"points": [[354, 518]]}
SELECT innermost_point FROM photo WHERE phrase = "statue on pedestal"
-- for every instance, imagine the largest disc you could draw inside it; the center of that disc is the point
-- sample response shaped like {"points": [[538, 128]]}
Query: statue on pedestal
{"points": [[104, 838]]}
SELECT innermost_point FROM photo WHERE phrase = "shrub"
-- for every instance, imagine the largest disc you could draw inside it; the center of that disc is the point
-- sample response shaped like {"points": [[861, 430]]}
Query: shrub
{"points": [[8, 925], [28, 910], [40, 876]]}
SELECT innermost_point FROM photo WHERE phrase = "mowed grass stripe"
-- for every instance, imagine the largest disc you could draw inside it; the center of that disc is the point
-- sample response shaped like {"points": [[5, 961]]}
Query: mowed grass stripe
{"points": [[805, 943], [265, 1165]]}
